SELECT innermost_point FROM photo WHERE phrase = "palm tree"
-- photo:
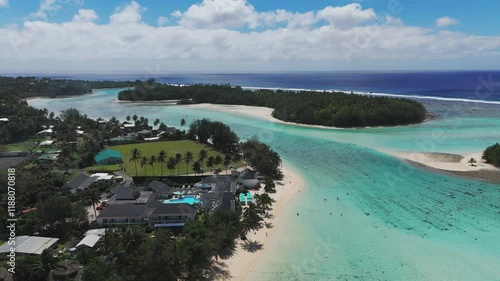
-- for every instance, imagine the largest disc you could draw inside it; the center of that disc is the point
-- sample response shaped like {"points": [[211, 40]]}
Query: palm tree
{"points": [[227, 161], [178, 160], [202, 155], [171, 164], [144, 163], [210, 162], [93, 198], [162, 157], [127, 118], [196, 167], [472, 161], [218, 160], [152, 161], [188, 158], [135, 155], [236, 158], [156, 122], [183, 122], [264, 201], [135, 118]]}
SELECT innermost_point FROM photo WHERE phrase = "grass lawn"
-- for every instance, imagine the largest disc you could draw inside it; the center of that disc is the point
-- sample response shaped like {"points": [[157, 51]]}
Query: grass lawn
{"points": [[170, 147], [20, 146], [98, 168]]}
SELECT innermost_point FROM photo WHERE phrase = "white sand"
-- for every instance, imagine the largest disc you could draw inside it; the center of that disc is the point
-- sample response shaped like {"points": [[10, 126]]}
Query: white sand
{"points": [[264, 113], [243, 262], [447, 162]]}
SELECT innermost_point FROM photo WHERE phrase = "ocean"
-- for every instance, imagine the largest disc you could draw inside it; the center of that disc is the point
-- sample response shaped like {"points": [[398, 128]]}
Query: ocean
{"points": [[393, 221]]}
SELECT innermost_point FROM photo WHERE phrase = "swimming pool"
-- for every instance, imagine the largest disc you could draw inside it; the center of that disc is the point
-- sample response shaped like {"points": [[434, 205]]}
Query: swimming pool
{"points": [[191, 200]]}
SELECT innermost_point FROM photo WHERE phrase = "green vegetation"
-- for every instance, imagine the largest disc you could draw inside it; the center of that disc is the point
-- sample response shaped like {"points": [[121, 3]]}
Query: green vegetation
{"points": [[149, 149], [263, 158], [218, 133], [492, 154], [305, 107], [24, 87]]}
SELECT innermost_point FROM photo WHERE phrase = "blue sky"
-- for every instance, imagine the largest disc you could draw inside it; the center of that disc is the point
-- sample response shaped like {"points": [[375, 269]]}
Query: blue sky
{"points": [[251, 34]]}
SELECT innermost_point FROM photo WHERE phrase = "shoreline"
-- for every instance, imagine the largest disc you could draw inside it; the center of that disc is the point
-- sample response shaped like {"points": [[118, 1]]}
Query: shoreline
{"points": [[243, 262], [452, 164]]}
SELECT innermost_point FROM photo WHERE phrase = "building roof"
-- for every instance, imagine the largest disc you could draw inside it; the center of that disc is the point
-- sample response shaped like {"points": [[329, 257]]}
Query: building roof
{"points": [[89, 240], [123, 193], [30, 244], [48, 131], [77, 181], [160, 188], [247, 174], [217, 200], [4, 119], [102, 176], [106, 154], [123, 210], [182, 208], [46, 142], [222, 183], [50, 157]]}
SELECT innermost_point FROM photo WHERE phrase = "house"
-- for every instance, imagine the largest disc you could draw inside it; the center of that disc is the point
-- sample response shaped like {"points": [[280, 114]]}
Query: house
{"points": [[217, 183], [127, 195], [248, 178], [214, 201], [46, 143], [108, 157], [122, 214], [161, 190], [45, 133], [29, 245], [50, 157], [92, 236], [4, 119], [166, 215], [80, 182]]}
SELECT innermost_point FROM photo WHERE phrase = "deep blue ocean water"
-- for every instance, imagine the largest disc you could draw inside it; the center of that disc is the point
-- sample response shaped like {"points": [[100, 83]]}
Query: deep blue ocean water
{"points": [[473, 85]]}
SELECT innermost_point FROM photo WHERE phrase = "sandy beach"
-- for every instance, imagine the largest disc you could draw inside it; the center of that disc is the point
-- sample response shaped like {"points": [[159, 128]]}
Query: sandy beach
{"points": [[457, 164], [243, 261]]}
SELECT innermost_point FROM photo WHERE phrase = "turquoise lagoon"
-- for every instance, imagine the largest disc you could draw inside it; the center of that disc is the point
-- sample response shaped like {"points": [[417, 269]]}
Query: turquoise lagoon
{"points": [[391, 221]]}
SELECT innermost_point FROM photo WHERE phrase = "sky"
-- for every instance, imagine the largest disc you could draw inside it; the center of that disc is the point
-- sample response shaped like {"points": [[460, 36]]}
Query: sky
{"points": [[163, 36]]}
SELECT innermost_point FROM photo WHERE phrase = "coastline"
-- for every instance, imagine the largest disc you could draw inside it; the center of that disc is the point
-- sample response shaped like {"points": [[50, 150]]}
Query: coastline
{"points": [[60, 97], [454, 164], [243, 262]]}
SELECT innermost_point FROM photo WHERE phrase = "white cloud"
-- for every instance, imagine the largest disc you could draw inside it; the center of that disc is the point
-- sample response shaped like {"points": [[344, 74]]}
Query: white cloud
{"points": [[162, 21], [218, 14], [390, 20], [85, 15], [334, 36], [131, 13], [346, 16], [4, 3], [45, 8], [446, 21]]}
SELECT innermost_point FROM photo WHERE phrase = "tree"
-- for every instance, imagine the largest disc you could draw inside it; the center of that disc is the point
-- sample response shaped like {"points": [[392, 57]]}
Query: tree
{"points": [[218, 160], [264, 201], [188, 158], [183, 122], [92, 197], [269, 185], [227, 161], [156, 122], [127, 118], [135, 118], [251, 220], [178, 160], [152, 162], [144, 163], [135, 155], [472, 161], [171, 164], [162, 157], [196, 167], [210, 162], [95, 270], [236, 158], [202, 155]]}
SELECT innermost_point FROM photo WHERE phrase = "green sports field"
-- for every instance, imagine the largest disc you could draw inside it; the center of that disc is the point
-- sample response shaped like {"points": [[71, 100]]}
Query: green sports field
{"points": [[153, 148]]}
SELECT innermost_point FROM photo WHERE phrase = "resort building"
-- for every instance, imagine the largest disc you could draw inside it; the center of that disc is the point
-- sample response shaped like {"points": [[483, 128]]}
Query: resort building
{"points": [[122, 214], [108, 157], [248, 178], [217, 183], [80, 183], [161, 190], [218, 200], [92, 236], [172, 215]]}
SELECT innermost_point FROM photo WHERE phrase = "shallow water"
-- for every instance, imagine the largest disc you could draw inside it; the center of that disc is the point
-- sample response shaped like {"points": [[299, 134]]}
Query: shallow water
{"points": [[398, 222]]}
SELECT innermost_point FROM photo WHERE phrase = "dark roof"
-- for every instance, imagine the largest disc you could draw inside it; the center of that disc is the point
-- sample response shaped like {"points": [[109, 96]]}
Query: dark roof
{"points": [[247, 174], [124, 193], [217, 200], [222, 183], [125, 210], [181, 208], [159, 187], [77, 181]]}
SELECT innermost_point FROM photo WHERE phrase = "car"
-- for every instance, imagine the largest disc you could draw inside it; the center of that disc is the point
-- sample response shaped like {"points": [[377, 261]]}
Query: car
{"points": [[104, 204], [99, 208]]}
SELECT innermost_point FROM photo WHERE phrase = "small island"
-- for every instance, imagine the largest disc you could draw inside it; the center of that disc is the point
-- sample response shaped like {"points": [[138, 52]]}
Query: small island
{"points": [[333, 109]]}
